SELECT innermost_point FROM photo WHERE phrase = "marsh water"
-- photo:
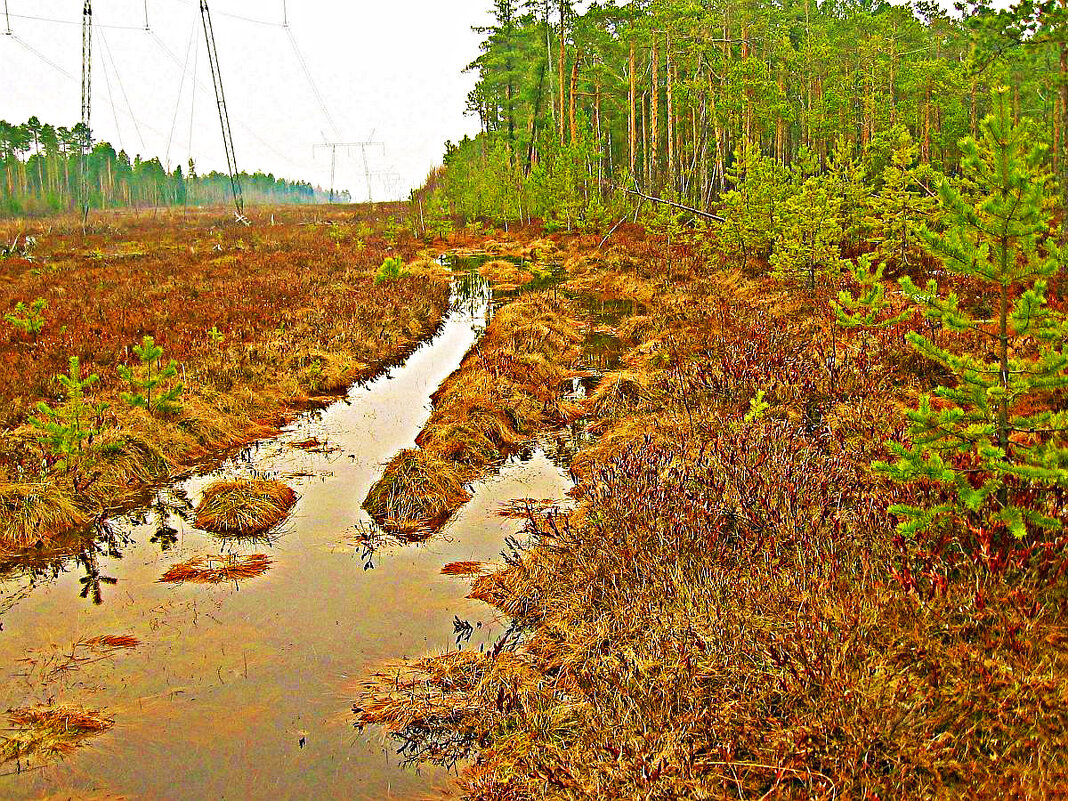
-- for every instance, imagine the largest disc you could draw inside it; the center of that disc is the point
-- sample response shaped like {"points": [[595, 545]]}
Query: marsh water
{"points": [[243, 690]]}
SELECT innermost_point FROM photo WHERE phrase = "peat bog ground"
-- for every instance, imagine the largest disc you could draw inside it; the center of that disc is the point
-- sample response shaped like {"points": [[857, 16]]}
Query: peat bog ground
{"points": [[648, 471]]}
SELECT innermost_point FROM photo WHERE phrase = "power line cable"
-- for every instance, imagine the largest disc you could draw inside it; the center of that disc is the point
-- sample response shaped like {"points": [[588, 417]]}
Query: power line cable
{"points": [[193, 94], [311, 82], [118, 78], [42, 56], [114, 109], [301, 60], [55, 21], [181, 91], [244, 127], [45, 59], [263, 22]]}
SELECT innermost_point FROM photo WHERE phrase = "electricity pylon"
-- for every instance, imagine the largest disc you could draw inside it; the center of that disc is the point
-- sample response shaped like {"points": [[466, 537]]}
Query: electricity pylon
{"points": [[363, 151], [224, 115], [87, 102]]}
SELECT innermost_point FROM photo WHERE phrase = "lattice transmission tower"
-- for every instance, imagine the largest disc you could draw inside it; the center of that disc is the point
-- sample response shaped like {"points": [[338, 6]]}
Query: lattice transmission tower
{"points": [[87, 102], [224, 115]]}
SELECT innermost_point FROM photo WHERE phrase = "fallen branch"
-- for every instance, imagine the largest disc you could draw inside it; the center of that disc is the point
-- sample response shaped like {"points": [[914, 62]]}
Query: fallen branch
{"points": [[637, 192], [614, 227]]}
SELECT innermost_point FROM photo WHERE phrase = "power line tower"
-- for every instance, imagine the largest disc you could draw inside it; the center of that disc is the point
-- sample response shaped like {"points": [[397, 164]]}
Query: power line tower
{"points": [[346, 145], [224, 115], [87, 102], [7, 19], [390, 181]]}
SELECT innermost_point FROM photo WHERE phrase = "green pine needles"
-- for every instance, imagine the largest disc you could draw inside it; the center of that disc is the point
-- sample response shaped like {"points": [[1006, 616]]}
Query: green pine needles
{"points": [[811, 231], [392, 268], [149, 380], [67, 430], [28, 319], [997, 437]]}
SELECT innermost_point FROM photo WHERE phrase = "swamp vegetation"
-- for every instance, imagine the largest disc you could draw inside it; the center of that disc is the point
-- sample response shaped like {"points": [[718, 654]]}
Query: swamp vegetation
{"points": [[738, 326]]}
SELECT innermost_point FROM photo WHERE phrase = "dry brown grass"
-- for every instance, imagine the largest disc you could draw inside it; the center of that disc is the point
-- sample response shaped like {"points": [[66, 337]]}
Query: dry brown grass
{"points": [[727, 613], [620, 394], [462, 569], [176, 276], [244, 507], [113, 641], [418, 491], [217, 569], [31, 512], [506, 391], [43, 734], [525, 508], [504, 275]]}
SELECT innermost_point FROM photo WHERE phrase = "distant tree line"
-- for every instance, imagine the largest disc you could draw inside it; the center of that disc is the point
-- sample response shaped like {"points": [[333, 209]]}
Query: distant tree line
{"points": [[40, 172], [668, 95]]}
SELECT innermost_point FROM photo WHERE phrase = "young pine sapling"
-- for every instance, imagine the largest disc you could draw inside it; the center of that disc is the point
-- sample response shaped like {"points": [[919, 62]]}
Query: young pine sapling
{"points": [[28, 319], [67, 430], [148, 381]]}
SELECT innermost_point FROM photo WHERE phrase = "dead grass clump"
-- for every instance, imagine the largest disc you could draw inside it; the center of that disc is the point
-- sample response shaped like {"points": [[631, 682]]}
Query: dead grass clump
{"points": [[113, 641], [244, 507], [217, 569], [417, 490], [636, 329], [465, 443], [504, 275], [33, 512], [525, 508], [619, 394], [466, 568], [46, 733]]}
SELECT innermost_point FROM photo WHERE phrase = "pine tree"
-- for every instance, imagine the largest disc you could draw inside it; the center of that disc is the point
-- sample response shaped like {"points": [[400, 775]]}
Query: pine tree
{"points": [[848, 184], [753, 209], [899, 208], [66, 431], [151, 377], [808, 245], [996, 437]]}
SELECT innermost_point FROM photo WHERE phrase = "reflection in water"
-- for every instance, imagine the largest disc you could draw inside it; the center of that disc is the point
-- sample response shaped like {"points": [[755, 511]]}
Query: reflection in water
{"points": [[241, 690], [226, 677]]}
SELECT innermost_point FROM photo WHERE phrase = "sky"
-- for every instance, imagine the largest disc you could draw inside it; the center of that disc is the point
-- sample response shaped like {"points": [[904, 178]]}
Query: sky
{"points": [[391, 70]]}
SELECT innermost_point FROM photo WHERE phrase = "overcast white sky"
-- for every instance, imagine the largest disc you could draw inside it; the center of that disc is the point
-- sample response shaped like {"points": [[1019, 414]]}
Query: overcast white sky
{"points": [[390, 66]]}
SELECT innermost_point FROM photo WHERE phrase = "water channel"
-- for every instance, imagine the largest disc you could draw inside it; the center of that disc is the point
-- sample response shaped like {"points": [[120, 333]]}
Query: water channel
{"points": [[243, 690]]}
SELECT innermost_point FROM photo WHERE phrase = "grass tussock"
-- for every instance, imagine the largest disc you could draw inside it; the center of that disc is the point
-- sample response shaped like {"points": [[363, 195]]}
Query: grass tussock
{"points": [[31, 512], [244, 507], [43, 734], [620, 394], [505, 392], [504, 275], [217, 569], [417, 491]]}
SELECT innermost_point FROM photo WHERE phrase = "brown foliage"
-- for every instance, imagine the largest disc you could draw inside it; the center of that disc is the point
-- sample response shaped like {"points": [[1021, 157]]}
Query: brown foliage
{"points": [[45, 733], [244, 507], [217, 569], [727, 613], [293, 299]]}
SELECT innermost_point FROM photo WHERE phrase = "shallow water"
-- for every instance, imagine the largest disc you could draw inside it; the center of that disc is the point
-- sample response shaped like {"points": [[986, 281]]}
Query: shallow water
{"points": [[243, 690]]}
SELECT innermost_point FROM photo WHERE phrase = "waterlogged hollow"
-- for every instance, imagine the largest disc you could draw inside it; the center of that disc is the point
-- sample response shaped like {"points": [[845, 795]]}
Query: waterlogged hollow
{"points": [[242, 688]]}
